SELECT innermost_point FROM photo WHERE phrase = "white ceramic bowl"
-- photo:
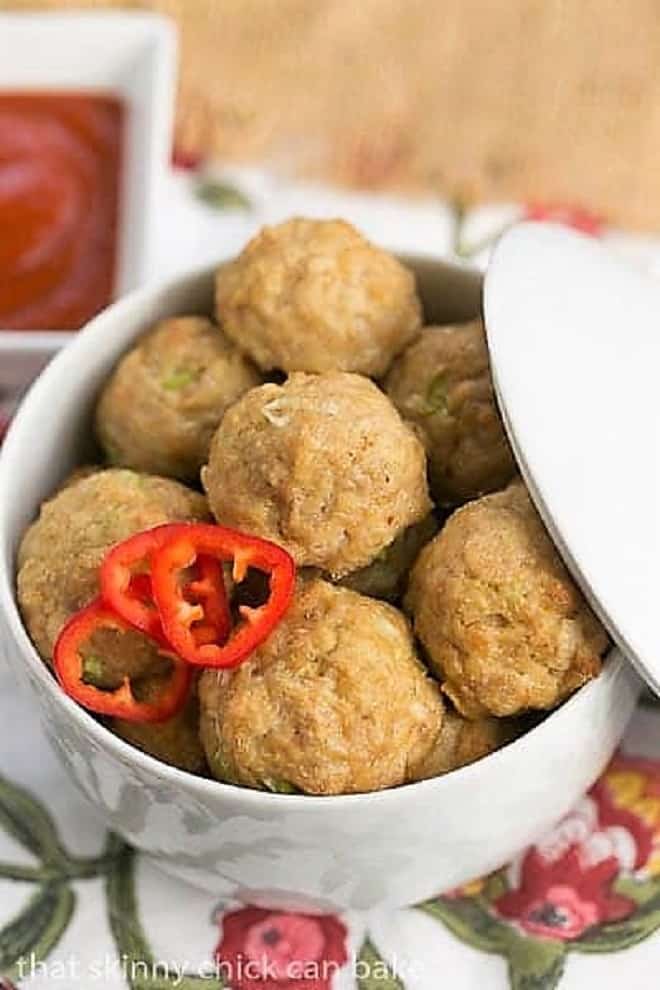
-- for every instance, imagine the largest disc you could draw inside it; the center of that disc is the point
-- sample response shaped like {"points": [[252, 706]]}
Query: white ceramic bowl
{"points": [[390, 848], [133, 56]]}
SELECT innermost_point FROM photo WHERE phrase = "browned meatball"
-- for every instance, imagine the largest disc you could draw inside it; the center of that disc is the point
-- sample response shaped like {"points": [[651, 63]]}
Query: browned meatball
{"points": [[175, 741], [164, 400], [61, 552], [503, 624], [315, 295], [442, 384], [334, 702], [463, 741], [323, 465]]}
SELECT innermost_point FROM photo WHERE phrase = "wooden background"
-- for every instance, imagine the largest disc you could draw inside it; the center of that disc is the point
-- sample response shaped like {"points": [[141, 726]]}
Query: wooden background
{"points": [[475, 99]]}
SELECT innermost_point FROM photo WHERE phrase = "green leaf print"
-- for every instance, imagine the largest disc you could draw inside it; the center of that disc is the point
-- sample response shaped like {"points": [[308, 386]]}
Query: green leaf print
{"points": [[222, 195], [36, 930], [534, 963], [125, 926], [494, 886], [373, 973], [623, 934], [25, 874], [59, 865], [458, 213], [29, 937], [27, 821], [131, 942], [468, 919]]}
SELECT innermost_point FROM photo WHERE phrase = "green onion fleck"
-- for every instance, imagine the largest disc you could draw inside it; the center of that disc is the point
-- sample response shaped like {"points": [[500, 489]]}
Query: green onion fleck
{"points": [[93, 670], [179, 378], [280, 786], [436, 398]]}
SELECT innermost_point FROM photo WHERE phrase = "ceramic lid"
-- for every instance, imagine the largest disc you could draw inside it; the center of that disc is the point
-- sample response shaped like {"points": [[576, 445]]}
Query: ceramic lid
{"points": [[574, 338]]}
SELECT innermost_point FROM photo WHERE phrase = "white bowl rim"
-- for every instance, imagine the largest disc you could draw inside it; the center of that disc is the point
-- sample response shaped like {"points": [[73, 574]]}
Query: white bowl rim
{"points": [[126, 753]]}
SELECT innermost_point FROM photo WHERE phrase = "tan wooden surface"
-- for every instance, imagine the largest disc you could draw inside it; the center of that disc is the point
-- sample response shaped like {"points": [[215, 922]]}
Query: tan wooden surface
{"points": [[479, 99]]}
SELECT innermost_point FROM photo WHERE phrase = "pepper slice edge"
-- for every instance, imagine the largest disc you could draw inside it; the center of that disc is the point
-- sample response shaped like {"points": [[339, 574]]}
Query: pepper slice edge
{"points": [[122, 587], [244, 551], [120, 703]]}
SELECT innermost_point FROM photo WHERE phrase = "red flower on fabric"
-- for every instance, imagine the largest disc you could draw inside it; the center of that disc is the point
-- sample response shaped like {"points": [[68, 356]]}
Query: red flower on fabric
{"points": [[571, 216], [186, 159], [565, 883], [561, 899], [613, 816], [628, 797], [269, 950]]}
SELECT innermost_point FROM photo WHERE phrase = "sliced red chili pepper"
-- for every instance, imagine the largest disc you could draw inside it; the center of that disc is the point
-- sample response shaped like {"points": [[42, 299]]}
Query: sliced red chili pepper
{"points": [[126, 584], [125, 588], [120, 703], [184, 623], [207, 588]]}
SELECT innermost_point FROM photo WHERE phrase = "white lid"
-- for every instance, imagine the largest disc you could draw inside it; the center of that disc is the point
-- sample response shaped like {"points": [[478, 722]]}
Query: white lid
{"points": [[574, 338]]}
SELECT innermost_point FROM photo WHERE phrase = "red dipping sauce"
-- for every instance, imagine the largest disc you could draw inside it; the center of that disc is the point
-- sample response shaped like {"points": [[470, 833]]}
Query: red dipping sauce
{"points": [[60, 157]]}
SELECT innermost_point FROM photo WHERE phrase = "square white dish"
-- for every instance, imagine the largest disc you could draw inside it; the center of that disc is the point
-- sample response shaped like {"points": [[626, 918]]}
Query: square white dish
{"points": [[129, 55]]}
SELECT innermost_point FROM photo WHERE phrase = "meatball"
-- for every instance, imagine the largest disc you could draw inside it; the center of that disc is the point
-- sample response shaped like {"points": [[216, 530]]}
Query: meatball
{"points": [[502, 622], [84, 471], [60, 554], [386, 575], [175, 741], [334, 702], [463, 741], [323, 465], [315, 295], [162, 404], [442, 384]]}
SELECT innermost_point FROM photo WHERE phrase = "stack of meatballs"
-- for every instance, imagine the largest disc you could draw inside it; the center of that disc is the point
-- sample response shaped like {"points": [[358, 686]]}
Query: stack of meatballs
{"points": [[431, 610]]}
